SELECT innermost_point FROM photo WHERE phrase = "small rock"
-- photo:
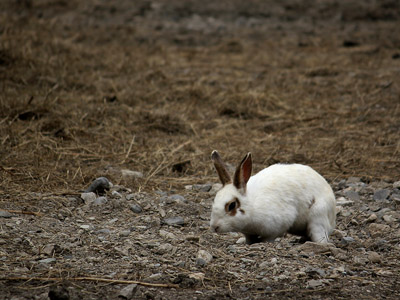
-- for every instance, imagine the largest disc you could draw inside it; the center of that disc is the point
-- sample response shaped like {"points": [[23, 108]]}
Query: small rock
{"points": [[378, 230], [116, 194], [47, 260], [381, 195], [352, 180], [103, 231], [389, 219], [99, 185], [312, 284], [86, 227], [177, 198], [5, 214], [132, 174], [124, 233], [205, 256], [359, 261], [100, 201], [136, 208], [342, 201], [372, 218], [352, 195], [241, 240], [164, 248], [167, 235], [48, 250], [395, 197], [347, 240], [311, 247], [128, 292], [202, 187], [154, 277], [88, 197], [374, 257], [396, 185], [215, 188], [174, 221]]}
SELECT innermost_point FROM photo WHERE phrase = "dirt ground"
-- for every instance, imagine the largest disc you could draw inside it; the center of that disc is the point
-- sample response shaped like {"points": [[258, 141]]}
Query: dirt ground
{"points": [[103, 88]]}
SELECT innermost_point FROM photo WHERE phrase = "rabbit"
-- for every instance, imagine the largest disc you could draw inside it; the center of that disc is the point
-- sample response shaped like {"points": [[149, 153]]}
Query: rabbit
{"points": [[283, 198]]}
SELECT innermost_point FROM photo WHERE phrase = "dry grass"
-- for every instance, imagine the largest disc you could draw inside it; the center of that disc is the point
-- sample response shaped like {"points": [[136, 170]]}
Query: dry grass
{"points": [[76, 104]]}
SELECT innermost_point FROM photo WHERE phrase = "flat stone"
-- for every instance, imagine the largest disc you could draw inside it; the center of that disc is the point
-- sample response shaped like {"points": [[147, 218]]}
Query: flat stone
{"points": [[124, 233], [313, 283], [202, 187], [352, 180], [372, 218], [47, 260], [128, 292], [5, 214], [88, 197], [100, 201], [378, 230], [136, 208], [311, 247], [381, 195], [204, 255], [177, 221], [342, 201], [352, 195], [177, 198], [374, 257]]}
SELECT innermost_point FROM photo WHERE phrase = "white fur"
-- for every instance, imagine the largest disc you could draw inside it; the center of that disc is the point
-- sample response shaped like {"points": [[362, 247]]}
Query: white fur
{"points": [[281, 198]]}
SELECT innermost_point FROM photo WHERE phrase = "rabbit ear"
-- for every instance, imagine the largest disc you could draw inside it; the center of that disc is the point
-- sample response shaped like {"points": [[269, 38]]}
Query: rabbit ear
{"points": [[243, 173], [221, 168]]}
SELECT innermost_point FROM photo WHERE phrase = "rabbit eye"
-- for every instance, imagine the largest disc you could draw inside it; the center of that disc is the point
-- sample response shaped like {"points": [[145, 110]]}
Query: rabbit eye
{"points": [[231, 207]]}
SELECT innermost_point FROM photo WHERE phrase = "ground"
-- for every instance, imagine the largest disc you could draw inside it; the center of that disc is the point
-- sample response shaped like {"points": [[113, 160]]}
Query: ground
{"points": [[104, 88]]}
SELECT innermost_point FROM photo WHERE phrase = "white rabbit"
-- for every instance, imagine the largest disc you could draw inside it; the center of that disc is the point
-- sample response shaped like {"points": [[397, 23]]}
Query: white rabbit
{"points": [[282, 198]]}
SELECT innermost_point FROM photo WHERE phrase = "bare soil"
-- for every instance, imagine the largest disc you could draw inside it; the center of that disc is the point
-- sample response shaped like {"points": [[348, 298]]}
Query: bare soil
{"points": [[92, 88]]}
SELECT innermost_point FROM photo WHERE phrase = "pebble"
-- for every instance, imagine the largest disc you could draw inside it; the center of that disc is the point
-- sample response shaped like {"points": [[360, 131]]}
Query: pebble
{"points": [[396, 185], [215, 188], [5, 214], [88, 197], [136, 208], [352, 195], [374, 257], [378, 230], [124, 233], [203, 257], [86, 227], [372, 218], [132, 174], [99, 185], [174, 221], [352, 180], [342, 201], [348, 240], [202, 187], [100, 200], [47, 260], [103, 231], [128, 292], [177, 199], [381, 195], [116, 194], [167, 235], [313, 283], [311, 247]]}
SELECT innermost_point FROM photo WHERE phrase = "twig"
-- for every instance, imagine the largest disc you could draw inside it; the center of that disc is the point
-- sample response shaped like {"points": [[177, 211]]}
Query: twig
{"points": [[22, 212], [129, 149], [165, 285]]}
